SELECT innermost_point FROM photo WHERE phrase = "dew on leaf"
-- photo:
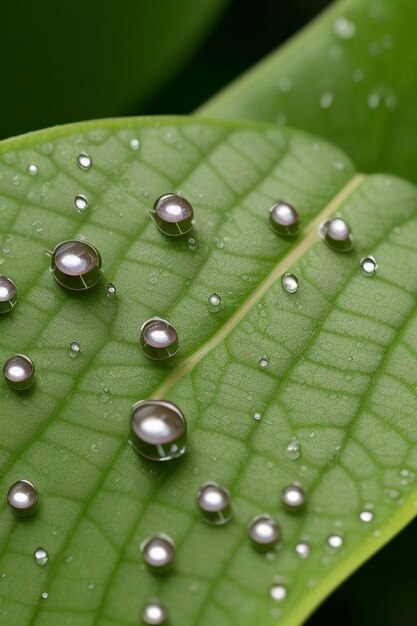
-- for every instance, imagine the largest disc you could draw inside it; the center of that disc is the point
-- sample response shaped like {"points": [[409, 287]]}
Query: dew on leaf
{"points": [[76, 265], [134, 143], [344, 28], [158, 553], [81, 202], [264, 532], [326, 100], [214, 503], [263, 361], [75, 348], [368, 265], [278, 592], [214, 300], [337, 234], [293, 450], [84, 161], [302, 549], [283, 219], [158, 339], [154, 614], [23, 498], [41, 556], [257, 416], [366, 516], [289, 283], [293, 498], [44, 595], [173, 215], [33, 169], [110, 290], [8, 294], [19, 372], [335, 541], [158, 430]]}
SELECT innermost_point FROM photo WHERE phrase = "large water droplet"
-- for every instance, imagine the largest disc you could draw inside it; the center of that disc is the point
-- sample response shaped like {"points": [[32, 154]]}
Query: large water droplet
{"points": [[158, 339], [336, 233], [19, 372], [8, 294], [41, 556], [214, 502], [368, 266], [264, 532], [344, 28], [158, 430], [158, 553], [293, 450], [84, 161], [23, 498], [289, 283], [293, 497], [81, 202]]}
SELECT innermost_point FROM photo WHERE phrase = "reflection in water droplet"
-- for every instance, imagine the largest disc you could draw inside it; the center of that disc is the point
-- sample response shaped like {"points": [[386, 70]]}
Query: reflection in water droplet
{"points": [[214, 299], [293, 450], [290, 283], [84, 161], [263, 361], [366, 516], [33, 169], [335, 541], [368, 266], [134, 144], [302, 549], [75, 348], [41, 556], [81, 202], [344, 28], [110, 290], [278, 592]]}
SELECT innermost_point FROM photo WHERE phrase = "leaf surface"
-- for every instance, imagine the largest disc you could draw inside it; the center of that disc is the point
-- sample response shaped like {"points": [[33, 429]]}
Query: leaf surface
{"points": [[350, 77], [341, 375]]}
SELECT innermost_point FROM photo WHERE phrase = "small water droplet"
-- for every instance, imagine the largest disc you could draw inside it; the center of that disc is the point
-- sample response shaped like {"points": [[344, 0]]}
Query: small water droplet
{"points": [[41, 556], [293, 498], [110, 290], [214, 503], [278, 592], [374, 101], [368, 266], [303, 549], [366, 516], [257, 416], [264, 361], [154, 614], [214, 299], [84, 161], [344, 28], [44, 595], [75, 348], [326, 100], [158, 552], [192, 244], [81, 202], [33, 169], [293, 450], [335, 541], [134, 144], [290, 283]]}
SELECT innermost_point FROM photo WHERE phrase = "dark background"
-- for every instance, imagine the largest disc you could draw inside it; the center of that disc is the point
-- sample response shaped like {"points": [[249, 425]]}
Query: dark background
{"points": [[383, 591]]}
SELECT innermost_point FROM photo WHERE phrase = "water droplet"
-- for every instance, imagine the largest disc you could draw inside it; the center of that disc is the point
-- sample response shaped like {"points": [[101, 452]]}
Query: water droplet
{"points": [[8, 294], [344, 28], [326, 100], [158, 339], [278, 592], [303, 549], [374, 100], [290, 283], [158, 430], [81, 202], [264, 532], [134, 144], [32, 169], [368, 266], [23, 498], [293, 498], [214, 300], [19, 372], [158, 552], [173, 215], [41, 556], [283, 219], [337, 234], [84, 161], [75, 348], [366, 516], [293, 450], [257, 416], [214, 502], [76, 265], [110, 290], [154, 614], [335, 541], [263, 361], [44, 595]]}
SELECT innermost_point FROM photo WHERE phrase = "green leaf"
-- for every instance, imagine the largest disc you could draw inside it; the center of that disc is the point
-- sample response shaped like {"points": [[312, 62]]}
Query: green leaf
{"points": [[349, 77], [342, 357], [69, 61]]}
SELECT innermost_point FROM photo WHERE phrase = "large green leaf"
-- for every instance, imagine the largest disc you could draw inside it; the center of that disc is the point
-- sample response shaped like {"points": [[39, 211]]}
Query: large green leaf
{"points": [[75, 60], [341, 375], [350, 76]]}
